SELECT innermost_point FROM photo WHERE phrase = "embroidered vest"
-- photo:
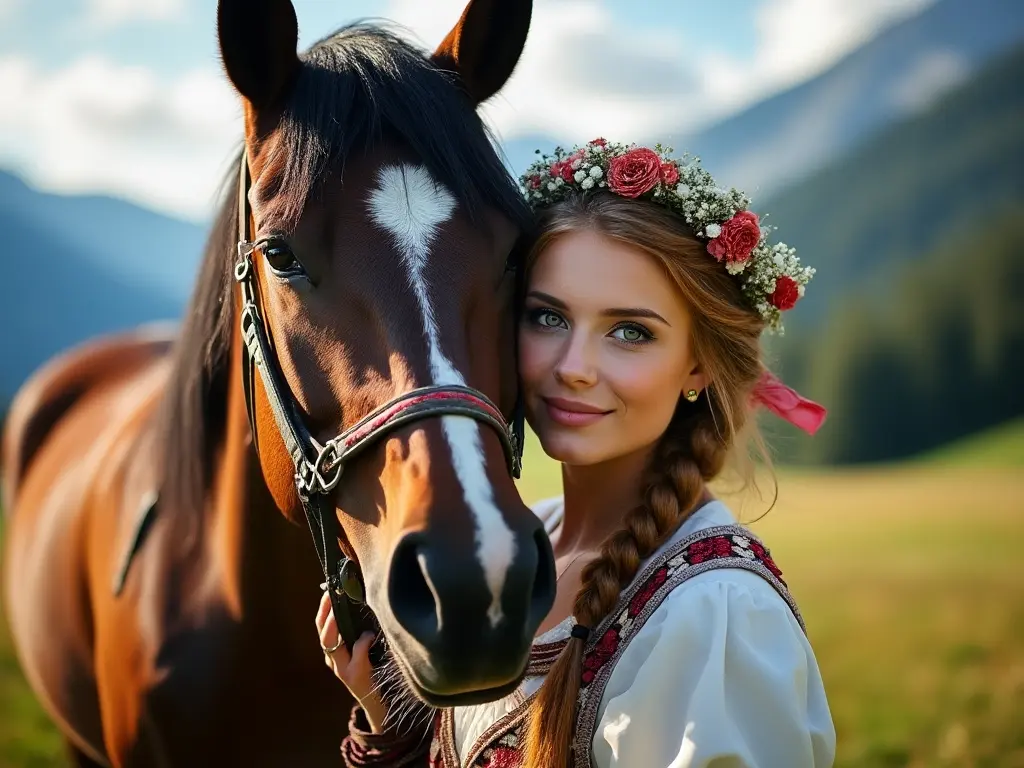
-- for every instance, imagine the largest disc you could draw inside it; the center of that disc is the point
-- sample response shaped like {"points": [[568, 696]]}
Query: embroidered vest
{"points": [[500, 746]]}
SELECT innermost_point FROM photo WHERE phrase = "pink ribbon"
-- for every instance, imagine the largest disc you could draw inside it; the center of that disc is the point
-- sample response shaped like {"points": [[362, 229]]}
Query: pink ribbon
{"points": [[788, 404]]}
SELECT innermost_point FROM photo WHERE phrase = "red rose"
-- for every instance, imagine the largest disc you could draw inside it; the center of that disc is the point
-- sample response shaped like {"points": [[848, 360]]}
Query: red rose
{"points": [[634, 173], [786, 293], [669, 174], [739, 236], [555, 169], [567, 171], [599, 142], [535, 182]]}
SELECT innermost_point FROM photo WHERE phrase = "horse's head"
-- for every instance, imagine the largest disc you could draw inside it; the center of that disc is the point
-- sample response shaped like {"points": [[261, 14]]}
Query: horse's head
{"points": [[380, 224]]}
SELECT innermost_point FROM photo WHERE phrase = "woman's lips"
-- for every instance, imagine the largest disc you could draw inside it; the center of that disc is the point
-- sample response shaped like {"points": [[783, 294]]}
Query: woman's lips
{"points": [[570, 413]]}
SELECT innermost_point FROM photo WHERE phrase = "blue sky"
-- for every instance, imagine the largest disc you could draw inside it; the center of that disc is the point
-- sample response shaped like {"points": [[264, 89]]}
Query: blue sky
{"points": [[126, 97]]}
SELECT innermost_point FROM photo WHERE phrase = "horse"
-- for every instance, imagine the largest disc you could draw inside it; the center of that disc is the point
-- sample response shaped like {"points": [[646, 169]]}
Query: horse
{"points": [[347, 364]]}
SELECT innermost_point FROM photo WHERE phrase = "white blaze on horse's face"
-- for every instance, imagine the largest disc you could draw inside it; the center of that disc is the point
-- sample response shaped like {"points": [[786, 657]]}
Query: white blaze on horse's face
{"points": [[410, 205]]}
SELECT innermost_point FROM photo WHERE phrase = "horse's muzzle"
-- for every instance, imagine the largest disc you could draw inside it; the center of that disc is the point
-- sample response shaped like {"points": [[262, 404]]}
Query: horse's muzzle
{"points": [[454, 644]]}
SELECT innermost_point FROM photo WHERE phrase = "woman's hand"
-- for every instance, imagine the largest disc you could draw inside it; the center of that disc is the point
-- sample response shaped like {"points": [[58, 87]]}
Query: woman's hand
{"points": [[354, 669]]}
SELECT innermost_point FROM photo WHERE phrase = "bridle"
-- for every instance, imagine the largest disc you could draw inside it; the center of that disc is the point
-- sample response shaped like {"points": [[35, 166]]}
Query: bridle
{"points": [[318, 468]]}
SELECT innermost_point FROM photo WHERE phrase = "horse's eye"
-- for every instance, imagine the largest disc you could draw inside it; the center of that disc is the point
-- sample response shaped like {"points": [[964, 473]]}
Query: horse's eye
{"points": [[281, 259]]}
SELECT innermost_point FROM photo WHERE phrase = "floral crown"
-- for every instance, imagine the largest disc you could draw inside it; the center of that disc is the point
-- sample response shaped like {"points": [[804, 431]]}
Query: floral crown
{"points": [[773, 279]]}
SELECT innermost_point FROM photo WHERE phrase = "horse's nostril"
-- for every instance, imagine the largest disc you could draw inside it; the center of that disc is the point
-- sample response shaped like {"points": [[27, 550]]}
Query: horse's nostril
{"points": [[412, 596], [543, 595]]}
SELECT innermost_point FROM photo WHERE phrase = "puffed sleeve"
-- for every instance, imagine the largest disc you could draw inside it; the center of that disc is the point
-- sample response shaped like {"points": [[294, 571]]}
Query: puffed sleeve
{"points": [[721, 675]]}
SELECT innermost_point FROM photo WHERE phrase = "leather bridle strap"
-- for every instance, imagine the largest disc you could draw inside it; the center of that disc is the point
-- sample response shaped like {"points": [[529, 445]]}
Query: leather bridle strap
{"points": [[318, 468]]}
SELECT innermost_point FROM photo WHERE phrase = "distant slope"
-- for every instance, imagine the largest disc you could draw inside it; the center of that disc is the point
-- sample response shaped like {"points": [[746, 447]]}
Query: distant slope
{"points": [[54, 297], [145, 247], [904, 192], [935, 357], [77, 267], [1001, 446], [783, 138]]}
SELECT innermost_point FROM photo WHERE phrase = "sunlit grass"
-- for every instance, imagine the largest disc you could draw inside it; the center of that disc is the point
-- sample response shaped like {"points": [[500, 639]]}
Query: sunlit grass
{"points": [[911, 580]]}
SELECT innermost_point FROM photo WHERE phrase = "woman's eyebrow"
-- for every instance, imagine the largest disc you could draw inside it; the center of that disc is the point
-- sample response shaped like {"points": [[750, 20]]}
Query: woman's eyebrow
{"points": [[635, 312], [557, 303], [547, 299]]}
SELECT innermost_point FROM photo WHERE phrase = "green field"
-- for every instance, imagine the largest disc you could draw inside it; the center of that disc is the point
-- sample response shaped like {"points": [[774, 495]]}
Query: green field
{"points": [[911, 580]]}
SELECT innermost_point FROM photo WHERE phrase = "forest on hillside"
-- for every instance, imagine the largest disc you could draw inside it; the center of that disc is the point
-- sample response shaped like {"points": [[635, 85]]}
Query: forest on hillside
{"points": [[916, 334]]}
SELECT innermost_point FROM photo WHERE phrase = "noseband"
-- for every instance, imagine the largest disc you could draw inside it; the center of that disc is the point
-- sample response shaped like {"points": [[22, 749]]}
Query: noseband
{"points": [[318, 468]]}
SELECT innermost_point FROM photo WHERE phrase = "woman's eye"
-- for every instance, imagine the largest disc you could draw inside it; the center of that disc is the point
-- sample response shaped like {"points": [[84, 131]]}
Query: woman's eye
{"points": [[281, 259], [632, 334], [547, 319]]}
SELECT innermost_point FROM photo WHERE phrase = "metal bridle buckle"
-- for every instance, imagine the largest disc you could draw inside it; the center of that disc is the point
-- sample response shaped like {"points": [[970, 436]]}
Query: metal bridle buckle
{"points": [[328, 461], [323, 475]]}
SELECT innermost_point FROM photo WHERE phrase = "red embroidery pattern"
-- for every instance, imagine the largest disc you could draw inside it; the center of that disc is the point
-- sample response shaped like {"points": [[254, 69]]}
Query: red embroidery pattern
{"points": [[731, 546], [603, 651], [723, 546], [504, 753], [647, 592]]}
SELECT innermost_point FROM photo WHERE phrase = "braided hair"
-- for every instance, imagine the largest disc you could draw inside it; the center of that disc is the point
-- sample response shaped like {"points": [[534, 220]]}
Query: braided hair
{"points": [[693, 450]]}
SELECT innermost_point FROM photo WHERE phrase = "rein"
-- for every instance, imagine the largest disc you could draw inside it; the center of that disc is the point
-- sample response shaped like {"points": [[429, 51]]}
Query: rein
{"points": [[319, 468]]}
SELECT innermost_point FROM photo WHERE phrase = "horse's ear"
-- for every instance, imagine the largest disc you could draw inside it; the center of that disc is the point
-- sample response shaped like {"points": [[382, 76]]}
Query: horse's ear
{"points": [[484, 47], [258, 42]]}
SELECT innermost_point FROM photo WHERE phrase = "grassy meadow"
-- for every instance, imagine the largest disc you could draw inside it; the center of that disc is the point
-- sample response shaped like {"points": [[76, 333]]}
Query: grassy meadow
{"points": [[910, 577]]}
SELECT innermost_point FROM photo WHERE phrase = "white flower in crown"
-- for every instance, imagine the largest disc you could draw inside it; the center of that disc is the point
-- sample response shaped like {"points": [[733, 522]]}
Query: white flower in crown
{"points": [[772, 278]]}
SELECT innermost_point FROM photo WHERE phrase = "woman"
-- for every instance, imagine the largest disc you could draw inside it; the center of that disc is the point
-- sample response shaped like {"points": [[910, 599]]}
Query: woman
{"points": [[673, 640]]}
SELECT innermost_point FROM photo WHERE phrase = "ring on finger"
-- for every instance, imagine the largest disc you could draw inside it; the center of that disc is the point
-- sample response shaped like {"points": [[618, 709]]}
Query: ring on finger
{"points": [[333, 648]]}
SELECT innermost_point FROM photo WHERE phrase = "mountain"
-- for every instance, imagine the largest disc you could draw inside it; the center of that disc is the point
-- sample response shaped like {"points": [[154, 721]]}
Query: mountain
{"points": [[909, 188], [80, 266], [912, 332], [899, 72], [145, 247]]}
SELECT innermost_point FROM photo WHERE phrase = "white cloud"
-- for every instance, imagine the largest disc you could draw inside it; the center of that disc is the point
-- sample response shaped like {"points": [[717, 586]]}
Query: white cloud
{"points": [[582, 73], [98, 126], [799, 38], [108, 13]]}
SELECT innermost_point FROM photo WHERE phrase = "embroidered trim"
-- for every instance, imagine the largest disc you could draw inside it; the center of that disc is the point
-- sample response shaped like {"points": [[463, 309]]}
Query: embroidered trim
{"points": [[729, 546]]}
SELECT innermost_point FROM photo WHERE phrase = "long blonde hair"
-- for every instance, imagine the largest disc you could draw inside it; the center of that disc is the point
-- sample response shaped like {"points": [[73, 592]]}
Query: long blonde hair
{"points": [[693, 450]]}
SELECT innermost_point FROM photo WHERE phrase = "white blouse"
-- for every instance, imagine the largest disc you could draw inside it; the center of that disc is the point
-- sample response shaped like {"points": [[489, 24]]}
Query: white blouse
{"points": [[720, 675]]}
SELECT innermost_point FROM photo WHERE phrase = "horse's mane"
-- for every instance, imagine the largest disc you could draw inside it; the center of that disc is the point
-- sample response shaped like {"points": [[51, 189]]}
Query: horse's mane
{"points": [[358, 86]]}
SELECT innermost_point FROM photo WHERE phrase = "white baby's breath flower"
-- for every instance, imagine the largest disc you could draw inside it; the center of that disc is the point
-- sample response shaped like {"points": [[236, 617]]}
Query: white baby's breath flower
{"points": [[559, 181], [587, 183], [713, 230], [552, 186], [579, 176], [596, 172]]}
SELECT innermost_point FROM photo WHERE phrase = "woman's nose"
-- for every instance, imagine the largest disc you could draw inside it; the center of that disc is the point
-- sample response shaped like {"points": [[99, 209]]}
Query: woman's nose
{"points": [[576, 365]]}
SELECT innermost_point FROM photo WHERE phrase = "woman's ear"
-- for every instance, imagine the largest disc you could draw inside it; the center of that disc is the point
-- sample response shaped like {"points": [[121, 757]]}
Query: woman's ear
{"points": [[695, 382]]}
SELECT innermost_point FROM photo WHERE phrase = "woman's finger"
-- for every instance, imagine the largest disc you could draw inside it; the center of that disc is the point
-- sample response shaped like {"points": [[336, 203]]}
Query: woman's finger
{"points": [[361, 651], [323, 611]]}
